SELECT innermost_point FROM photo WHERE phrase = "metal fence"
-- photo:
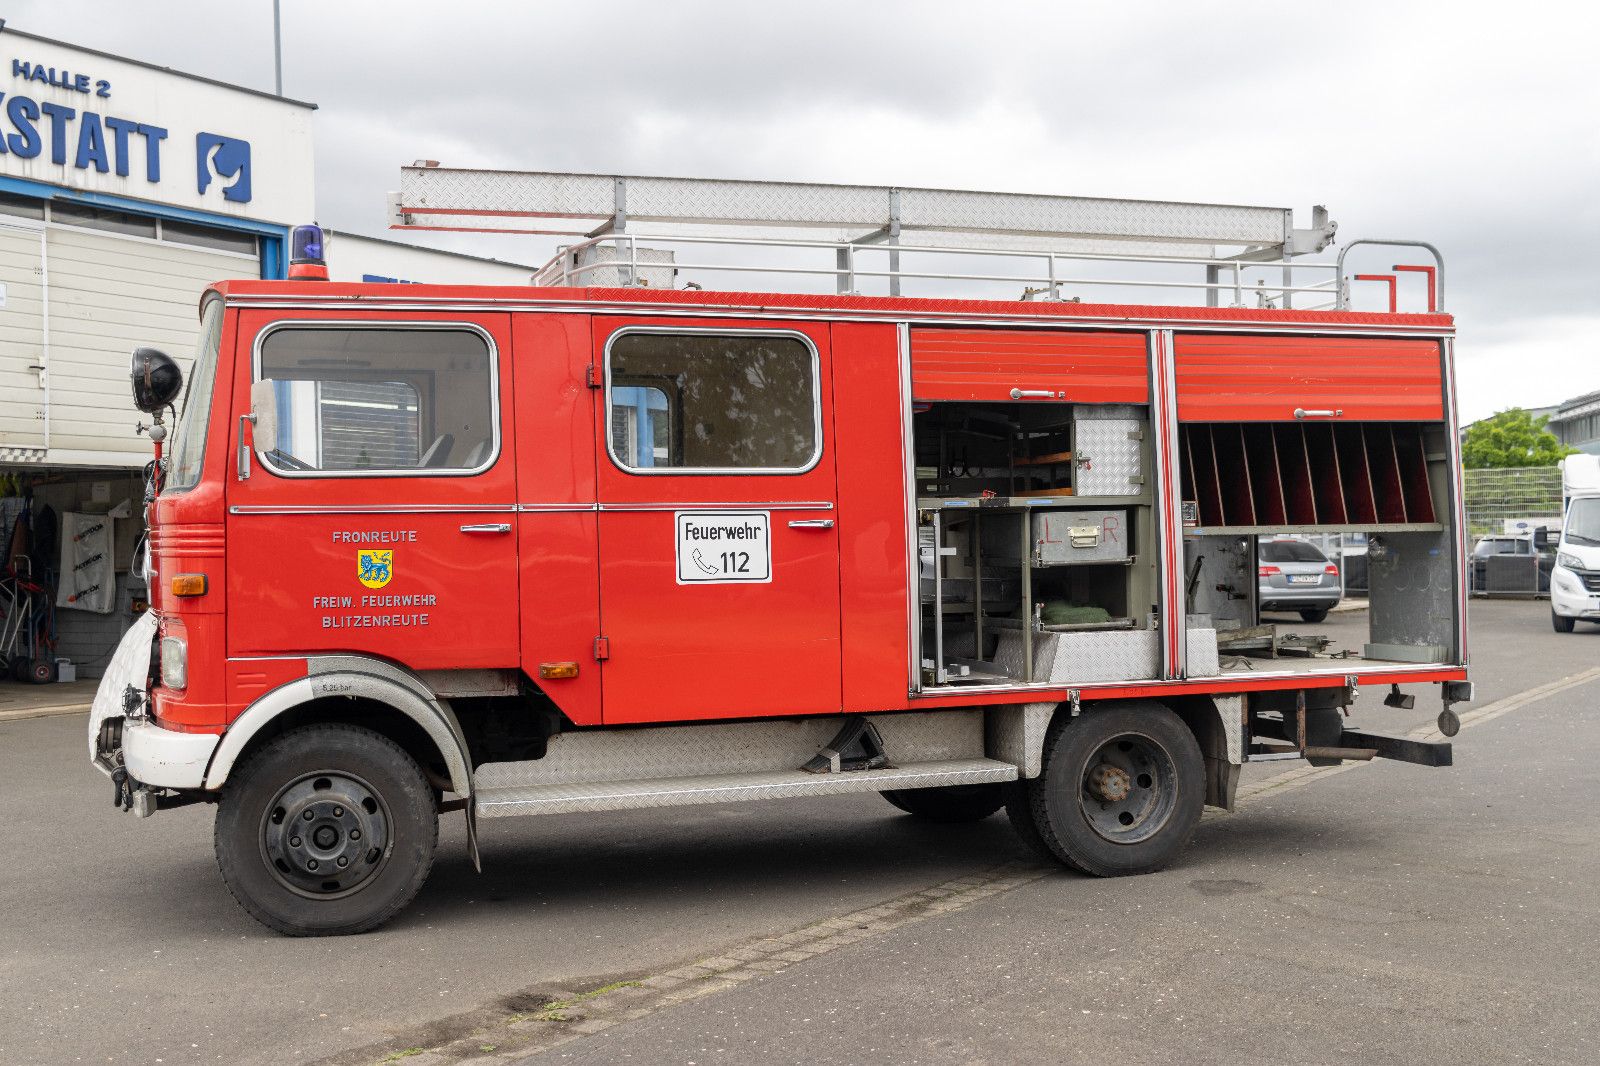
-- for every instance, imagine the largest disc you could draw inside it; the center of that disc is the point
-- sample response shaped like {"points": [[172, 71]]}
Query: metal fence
{"points": [[1512, 502]]}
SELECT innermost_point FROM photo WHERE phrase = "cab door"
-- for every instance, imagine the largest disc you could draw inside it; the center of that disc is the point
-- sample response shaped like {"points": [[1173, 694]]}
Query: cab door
{"points": [[380, 517], [719, 542]]}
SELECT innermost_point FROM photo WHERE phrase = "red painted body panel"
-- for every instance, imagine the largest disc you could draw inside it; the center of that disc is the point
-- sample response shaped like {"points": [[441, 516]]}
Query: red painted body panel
{"points": [[592, 548], [986, 364], [704, 651], [557, 527], [872, 516], [1225, 378], [292, 583]]}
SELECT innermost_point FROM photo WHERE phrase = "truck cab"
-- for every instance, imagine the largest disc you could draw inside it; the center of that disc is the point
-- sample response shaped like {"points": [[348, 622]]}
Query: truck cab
{"points": [[1575, 580]]}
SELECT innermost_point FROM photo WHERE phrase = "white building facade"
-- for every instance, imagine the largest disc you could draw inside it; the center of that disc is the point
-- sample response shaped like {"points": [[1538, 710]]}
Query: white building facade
{"points": [[125, 190]]}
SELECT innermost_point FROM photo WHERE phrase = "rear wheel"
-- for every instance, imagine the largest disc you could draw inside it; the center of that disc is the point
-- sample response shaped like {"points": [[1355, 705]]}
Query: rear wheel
{"points": [[1315, 614], [1562, 625], [950, 805], [1121, 790], [327, 830]]}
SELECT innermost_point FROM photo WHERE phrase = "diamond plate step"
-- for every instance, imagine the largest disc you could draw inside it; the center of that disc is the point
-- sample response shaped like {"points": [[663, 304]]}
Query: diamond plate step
{"points": [[507, 801]]}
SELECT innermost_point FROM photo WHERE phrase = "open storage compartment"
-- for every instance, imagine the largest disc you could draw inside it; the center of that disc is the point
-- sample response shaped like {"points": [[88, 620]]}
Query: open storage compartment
{"points": [[1037, 550]]}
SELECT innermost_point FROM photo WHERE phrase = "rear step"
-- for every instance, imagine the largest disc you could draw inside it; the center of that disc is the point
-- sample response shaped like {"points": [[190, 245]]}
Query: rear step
{"points": [[508, 800]]}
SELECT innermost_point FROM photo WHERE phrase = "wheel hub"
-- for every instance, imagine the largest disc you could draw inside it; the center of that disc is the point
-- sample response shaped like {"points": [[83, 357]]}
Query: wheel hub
{"points": [[1110, 783], [325, 834], [1129, 789]]}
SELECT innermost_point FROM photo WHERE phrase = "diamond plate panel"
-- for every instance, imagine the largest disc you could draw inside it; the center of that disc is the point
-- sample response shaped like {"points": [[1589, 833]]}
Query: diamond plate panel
{"points": [[623, 755], [688, 791], [1109, 454]]}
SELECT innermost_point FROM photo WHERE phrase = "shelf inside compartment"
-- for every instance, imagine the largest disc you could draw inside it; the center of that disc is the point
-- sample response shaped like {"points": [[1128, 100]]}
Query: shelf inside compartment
{"points": [[1268, 477]]}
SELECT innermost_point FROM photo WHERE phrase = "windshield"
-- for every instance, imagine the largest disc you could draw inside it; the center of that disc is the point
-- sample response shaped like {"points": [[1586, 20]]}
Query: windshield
{"points": [[189, 434], [1290, 551], [1583, 522]]}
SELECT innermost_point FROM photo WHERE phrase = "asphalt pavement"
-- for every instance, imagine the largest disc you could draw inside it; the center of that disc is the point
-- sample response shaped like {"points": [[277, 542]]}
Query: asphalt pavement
{"points": [[1385, 912]]}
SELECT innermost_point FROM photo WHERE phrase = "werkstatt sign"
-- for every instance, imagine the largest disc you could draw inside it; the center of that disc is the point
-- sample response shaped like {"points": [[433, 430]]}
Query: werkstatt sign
{"points": [[98, 123]]}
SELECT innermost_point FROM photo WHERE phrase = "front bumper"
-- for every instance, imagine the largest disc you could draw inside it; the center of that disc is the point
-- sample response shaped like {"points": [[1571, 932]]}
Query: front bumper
{"points": [[162, 758], [141, 750], [1568, 597]]}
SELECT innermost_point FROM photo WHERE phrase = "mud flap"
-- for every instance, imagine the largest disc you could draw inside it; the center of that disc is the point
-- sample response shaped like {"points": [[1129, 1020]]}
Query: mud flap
{"points": [[472, 834]]}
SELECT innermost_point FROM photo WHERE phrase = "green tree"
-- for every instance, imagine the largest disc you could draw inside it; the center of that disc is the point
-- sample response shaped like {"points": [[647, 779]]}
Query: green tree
{"points": [[1511, 438]]}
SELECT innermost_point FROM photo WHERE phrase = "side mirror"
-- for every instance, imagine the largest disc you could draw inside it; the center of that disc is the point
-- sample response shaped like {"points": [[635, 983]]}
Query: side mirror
{"points": [[264, 408], [156, 380], [1541, 539], [263, 419]]}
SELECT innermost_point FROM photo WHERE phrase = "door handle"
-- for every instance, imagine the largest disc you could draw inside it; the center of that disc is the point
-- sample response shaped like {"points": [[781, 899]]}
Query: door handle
{"points": [[811, 523], [487, 527], [1034, 394], [1301, 412]]}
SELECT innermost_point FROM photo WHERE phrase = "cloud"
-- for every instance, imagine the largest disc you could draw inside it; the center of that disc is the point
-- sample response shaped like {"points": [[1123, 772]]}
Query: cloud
{"points": [[1462, 124]]}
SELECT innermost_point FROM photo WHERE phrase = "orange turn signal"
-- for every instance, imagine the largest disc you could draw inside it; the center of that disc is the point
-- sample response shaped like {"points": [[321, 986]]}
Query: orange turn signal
{"points": [[189, 584], [552, 671]]}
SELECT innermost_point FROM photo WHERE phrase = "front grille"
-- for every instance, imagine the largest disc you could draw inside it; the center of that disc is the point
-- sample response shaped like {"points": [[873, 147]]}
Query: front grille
{"points": [[1590, 579]]}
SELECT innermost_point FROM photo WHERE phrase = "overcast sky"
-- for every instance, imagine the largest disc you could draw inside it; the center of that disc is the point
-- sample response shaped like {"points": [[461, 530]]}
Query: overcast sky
{"points": [[1473, 126]]}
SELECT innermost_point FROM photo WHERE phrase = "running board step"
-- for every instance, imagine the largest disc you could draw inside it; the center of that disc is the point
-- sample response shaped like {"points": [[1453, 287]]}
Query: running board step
{"points": [[507, 801]]}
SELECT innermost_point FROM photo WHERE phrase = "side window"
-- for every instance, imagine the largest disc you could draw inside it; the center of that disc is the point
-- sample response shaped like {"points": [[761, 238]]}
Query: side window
{"points": [[713, 402], [379, 399]]}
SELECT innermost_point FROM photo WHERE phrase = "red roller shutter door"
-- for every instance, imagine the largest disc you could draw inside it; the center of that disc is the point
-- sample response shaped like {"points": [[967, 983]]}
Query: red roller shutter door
{"points": [[1229, 378], [1058, 365]]}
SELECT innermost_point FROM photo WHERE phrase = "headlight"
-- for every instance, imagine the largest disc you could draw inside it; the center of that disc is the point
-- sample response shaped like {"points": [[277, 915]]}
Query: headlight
{"points": [[175, 662], [1568, 560]]}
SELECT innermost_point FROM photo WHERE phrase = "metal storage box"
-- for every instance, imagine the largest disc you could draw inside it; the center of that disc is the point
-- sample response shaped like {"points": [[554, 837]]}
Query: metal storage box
{"points": [[1060, 537]]}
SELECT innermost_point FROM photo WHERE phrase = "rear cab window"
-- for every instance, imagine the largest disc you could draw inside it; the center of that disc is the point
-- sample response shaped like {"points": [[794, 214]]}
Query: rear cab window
{"points": [[706, 402]]}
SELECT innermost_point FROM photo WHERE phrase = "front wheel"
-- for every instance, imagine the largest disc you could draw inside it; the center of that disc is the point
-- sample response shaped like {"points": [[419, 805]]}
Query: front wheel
{"points": [[327, 830], [949, 805], [1120, 790], [1562, 625]]}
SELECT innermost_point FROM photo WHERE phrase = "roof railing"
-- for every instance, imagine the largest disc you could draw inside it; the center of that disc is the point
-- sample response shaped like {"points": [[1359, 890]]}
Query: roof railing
{"points": [[871, 240]]}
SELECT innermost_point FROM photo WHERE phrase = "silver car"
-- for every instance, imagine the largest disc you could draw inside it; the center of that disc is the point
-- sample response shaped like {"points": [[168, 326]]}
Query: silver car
{"points": [[1295, 576]]}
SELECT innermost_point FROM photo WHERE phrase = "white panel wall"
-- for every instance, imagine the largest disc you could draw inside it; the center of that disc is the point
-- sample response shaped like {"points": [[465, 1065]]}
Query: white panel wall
{"points": [[350, 256], [108, 294]]}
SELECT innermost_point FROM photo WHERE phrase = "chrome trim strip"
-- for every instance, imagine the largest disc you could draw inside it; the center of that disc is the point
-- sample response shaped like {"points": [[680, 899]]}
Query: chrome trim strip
{"points": [[928, 318], [547, 508], [404, 324], [908, 464], [424, 508], [1168, 505], [719, 471], [1458, 509], [793, 506]]}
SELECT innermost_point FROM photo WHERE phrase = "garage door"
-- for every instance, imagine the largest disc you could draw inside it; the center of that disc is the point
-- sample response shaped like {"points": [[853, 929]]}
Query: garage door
{"points": [[108, 293], [21, 343]]}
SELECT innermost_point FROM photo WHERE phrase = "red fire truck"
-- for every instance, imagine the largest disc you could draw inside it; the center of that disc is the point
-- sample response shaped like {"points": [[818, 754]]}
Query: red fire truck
{"points": [[617, 540]]}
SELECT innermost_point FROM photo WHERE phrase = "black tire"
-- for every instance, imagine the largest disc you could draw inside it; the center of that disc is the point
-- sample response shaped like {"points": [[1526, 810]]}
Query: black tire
{"points": [[42, 671], [950, 805], [1562, 625], [1314, 615], [1142, 750], [349, 787], [1019, 812]]}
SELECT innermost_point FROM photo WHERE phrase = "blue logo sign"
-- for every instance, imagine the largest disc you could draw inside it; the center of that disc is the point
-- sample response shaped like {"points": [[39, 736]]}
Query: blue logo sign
{"points": [[220, 158]]}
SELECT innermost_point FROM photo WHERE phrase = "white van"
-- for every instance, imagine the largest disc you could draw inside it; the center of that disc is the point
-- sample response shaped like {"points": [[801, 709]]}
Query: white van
{"points": [[1575, 582]]}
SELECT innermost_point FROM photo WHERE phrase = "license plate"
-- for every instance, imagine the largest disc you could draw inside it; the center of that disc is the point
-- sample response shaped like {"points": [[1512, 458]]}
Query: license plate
{"points": [[1304, 579]]}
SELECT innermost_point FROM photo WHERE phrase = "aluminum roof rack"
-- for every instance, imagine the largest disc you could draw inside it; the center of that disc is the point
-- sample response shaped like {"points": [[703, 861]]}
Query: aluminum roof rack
{"points": [[852, 238]]}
